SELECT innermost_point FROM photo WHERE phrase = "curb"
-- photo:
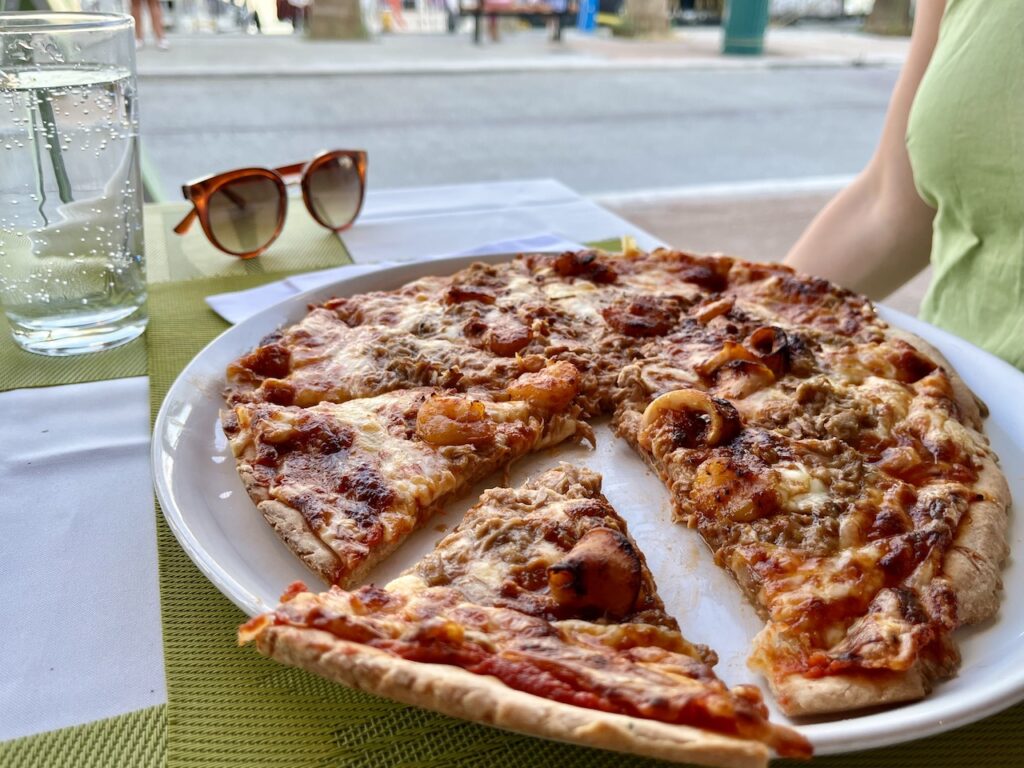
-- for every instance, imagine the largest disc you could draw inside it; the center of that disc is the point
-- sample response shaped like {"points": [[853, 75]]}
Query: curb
{"points": [[522, 66], [730, 190]]}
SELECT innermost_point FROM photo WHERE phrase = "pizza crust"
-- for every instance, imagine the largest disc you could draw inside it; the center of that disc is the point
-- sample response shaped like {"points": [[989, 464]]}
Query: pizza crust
{"points": [[289, 524], [291, 527], [974, 562], [455, 692], [971, 406], [800, 696]]}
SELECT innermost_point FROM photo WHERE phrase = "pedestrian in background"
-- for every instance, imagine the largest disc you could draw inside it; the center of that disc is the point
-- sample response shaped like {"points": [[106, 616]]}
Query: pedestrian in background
{"points": [[156, 18], [946, 183]]}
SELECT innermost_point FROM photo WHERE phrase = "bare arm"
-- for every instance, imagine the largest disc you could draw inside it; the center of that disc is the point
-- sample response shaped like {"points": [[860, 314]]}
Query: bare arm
{"points": [[876, 234]]}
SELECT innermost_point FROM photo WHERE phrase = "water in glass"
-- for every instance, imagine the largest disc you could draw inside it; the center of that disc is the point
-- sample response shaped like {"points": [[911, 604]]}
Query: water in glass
{"points": [[72, 270]]}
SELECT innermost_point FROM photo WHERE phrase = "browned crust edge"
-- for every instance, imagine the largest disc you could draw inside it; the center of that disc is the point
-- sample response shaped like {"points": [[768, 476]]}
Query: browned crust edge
{"points": [[455, 692], [800, 696], [971, 406], [974, 562]]}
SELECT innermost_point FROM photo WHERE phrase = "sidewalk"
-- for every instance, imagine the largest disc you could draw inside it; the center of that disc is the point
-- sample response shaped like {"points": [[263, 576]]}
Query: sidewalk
{"points": [[226, 55]]}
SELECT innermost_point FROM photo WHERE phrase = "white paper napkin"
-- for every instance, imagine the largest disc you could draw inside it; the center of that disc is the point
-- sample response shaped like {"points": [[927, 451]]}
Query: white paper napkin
{"points": [[238, 305]]}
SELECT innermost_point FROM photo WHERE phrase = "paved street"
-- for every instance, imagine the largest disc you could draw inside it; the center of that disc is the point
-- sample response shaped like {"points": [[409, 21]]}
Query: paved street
{"points": [[598, 130]]}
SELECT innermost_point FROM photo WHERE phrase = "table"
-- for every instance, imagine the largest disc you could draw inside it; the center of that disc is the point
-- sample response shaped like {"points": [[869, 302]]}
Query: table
{"points": [[79, 567], [78, 537]]}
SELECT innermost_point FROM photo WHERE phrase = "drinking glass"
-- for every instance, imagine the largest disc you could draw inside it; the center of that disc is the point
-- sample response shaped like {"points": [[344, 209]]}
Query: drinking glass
{"points": [[72, 269]]}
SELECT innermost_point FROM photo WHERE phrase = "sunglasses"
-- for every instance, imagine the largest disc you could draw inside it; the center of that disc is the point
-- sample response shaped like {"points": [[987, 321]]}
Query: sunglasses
{"points": [[242, 212]]}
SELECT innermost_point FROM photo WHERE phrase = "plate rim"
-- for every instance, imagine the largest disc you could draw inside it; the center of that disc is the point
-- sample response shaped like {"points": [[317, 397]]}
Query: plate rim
{"points": [[841, 735]]}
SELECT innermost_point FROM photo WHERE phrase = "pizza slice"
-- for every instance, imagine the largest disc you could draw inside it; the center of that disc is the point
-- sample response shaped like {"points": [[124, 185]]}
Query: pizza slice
{"points": [[861, 513], [467, 331], [537, 614], [345, 484], [322, 359]]}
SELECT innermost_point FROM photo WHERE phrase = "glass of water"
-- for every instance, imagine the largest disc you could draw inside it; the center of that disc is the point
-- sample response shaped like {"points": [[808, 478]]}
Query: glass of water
{"points": [[72, 269]]}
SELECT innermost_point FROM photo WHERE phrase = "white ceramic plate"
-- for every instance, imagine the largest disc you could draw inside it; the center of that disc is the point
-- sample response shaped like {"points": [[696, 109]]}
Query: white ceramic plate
{"points": [[217, 525]]}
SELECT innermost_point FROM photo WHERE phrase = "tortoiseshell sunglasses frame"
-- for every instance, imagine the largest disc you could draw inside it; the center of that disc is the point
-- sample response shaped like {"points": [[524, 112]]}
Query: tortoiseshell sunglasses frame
{"points": [[199, 191]]}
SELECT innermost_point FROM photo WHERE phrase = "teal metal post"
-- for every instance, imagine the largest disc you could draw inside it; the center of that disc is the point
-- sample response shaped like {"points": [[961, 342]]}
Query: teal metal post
{"points": [[744, 24]]}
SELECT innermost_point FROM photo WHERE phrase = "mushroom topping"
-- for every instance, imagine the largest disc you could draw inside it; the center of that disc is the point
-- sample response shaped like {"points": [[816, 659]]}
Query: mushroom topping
{"points": [[445, 420], [771, 345], [730, 351], [694, 418], [739, 378], [601, 576], [549, 389]]}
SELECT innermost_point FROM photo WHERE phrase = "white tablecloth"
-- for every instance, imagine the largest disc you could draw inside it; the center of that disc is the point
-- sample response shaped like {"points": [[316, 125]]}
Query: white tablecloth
{"points": [[78, 571]]}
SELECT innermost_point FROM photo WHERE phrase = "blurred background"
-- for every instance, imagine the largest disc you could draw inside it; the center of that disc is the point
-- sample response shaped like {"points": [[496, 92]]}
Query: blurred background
{"points": [[714, 137]]}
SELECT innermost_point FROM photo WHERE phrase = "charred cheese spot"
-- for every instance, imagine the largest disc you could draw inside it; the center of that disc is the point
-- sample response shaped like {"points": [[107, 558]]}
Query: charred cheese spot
{"points": [[643, 316], [458, 294], [445, 420], [278, 392], [586, 264], [601, 576], [270, 360], [319, 435], [706, 276]]}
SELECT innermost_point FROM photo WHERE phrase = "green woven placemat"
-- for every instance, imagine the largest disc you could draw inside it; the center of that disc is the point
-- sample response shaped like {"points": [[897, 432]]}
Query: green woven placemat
{"points": [[136, 740], [303, 245], [230, 707], [19, 368]]}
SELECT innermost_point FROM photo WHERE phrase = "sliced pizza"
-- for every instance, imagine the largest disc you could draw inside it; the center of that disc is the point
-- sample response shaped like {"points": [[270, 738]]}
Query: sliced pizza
{"points": [[845, 487], [537, 614], [321, 359], [836, 466], [345, 484]]}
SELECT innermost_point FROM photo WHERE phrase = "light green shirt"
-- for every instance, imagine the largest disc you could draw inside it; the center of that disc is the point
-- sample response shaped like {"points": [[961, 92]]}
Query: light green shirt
{"points": [[966, 145]]}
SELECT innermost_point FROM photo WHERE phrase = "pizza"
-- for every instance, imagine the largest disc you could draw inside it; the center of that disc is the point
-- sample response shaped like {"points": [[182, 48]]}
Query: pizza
{"points": [[836, 467], [838, 472], [537, 613], [344, 484]]}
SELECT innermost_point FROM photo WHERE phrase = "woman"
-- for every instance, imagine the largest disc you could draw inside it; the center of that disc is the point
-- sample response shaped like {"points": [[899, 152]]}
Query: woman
{"points": [[946, 182]]}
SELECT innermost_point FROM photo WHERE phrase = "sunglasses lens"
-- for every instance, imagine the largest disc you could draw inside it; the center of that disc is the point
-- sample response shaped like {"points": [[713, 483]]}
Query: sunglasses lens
{"points": [[244, 214], [335, 191]]}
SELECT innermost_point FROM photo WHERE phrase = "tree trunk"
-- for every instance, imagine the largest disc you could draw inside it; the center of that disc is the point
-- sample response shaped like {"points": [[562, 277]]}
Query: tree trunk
{"points": [[889, 17], [337, 20], [646, 18]]}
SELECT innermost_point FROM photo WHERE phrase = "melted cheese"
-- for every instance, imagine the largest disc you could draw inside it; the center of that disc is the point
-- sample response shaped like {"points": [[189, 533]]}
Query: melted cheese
{"points": [[799, 489]]}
